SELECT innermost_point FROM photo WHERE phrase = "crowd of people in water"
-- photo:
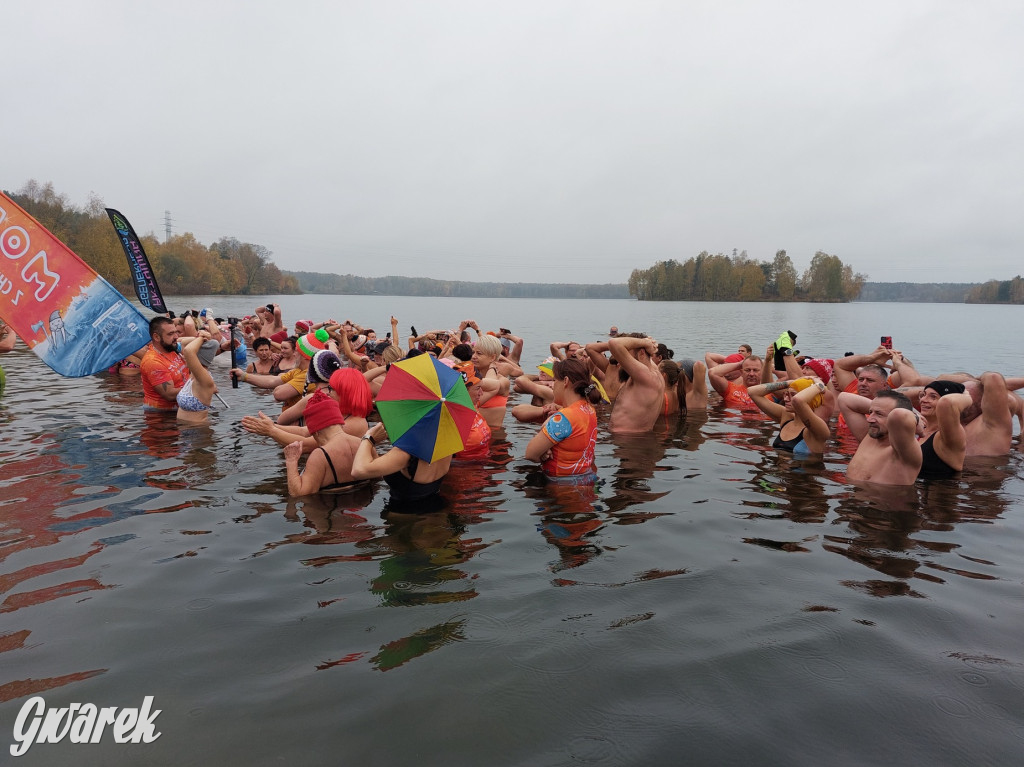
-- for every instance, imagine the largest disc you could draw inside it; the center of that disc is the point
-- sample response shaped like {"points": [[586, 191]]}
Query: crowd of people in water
{"points": [[899, 424]]}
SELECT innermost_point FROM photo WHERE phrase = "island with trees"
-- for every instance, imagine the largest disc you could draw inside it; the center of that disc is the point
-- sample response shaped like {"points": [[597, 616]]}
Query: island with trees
{"points": [[739, 278]]}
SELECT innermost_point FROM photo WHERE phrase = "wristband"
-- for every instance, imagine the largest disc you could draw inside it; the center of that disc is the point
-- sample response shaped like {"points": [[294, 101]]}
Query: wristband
{"points": [[369, 437]]}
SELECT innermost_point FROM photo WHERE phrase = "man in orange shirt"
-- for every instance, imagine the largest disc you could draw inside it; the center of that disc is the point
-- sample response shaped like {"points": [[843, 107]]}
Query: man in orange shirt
{"points": [[164, 370]]}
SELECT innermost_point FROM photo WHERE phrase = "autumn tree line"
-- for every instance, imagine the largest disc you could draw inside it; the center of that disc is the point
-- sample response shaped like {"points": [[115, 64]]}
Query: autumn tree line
{"points": [[997, 292], [739, 278], [183, 265]]}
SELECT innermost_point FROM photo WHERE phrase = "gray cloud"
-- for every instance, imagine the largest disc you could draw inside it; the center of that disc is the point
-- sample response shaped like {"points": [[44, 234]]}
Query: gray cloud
{"points": [[555, 142]]}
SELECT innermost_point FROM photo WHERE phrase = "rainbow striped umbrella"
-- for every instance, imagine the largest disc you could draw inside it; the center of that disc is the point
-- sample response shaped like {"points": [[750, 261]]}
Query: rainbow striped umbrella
{"points": [[425, 408]]}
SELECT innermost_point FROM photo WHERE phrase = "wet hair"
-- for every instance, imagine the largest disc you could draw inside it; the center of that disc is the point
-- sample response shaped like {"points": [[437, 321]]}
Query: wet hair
{"points": [[462, 352], [414, 353], [665, 352], [899, 398], [747, 347], [489, 345], [877, 369], [632, 335], [353, 392], [579, 378], [156, 325], [671, 371], [260, 342], [293, 340]]}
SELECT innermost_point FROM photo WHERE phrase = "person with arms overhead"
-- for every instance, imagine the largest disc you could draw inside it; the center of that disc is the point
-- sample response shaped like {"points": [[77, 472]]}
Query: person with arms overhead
{"points": [[642, 396], [889, 454], [164, 370]]}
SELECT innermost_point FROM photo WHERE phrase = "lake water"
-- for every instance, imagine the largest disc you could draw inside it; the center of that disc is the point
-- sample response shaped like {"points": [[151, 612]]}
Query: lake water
{"points": [[708, 602]]}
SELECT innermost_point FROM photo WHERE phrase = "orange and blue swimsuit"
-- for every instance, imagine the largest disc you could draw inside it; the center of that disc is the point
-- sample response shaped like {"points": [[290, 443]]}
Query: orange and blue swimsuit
{"points": [[573, 434]]}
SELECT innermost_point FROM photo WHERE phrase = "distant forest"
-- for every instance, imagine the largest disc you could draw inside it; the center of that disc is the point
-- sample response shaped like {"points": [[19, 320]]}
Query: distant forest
{"points": [[739, 278], [183, 265], [917, 292], [348, 284], [991, 292]]}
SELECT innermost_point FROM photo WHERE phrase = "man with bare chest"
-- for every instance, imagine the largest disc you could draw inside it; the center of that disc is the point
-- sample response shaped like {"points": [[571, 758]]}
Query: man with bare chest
{"points": [[641, 398]]}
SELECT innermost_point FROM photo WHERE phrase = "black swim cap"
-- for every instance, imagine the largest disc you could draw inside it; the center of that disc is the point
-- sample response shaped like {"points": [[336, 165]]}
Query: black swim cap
{"points": [[944, 387]]}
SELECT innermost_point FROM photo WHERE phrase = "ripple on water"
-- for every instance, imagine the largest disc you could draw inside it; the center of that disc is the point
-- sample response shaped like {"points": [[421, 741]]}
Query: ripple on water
{"points": [[951, 706]]}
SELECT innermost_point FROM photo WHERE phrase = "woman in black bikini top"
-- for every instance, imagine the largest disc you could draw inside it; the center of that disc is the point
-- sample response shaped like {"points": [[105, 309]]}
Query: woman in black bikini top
{"points": [[329, 466]]}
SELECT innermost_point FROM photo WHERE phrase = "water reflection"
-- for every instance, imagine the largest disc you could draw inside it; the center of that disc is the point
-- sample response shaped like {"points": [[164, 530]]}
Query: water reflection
{"points": [[570, 517], [894, 530], [639, 458]]}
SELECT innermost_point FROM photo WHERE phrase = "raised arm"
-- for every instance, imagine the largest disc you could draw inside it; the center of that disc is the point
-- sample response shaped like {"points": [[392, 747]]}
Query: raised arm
{"points": [[768, 366], [903, 372], [951, 439], [622, 350], [596, 352], [759, 394], [902, 425], [855, 410], [202, 381], [845, 368], [516, 353], [717, 374], [803, 406]]}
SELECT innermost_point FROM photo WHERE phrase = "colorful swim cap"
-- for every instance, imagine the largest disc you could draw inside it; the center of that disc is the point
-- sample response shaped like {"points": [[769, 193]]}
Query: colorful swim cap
{"points": [[323, 365], [311, 343]]}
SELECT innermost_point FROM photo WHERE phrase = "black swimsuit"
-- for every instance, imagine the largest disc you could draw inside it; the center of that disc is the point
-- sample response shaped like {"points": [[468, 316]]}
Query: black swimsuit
{"points": [[933, 467], [787, 444], [404, 488]]}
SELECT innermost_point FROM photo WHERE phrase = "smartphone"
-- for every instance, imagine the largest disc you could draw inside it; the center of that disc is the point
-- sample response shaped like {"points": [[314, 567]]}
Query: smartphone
{"points": [[270, 308], [388, 336], [413, 329], [887, 342]]}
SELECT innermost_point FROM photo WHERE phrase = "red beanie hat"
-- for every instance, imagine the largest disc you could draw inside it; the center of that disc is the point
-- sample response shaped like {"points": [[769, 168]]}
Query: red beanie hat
{"points": [[322, 411]]}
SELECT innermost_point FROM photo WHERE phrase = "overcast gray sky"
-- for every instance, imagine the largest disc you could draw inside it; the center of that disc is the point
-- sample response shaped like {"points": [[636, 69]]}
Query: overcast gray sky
{"points": [[535, 141]]}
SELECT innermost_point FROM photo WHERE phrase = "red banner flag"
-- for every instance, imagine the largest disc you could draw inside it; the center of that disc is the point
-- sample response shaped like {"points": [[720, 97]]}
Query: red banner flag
{"points": [[73, 319]]}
